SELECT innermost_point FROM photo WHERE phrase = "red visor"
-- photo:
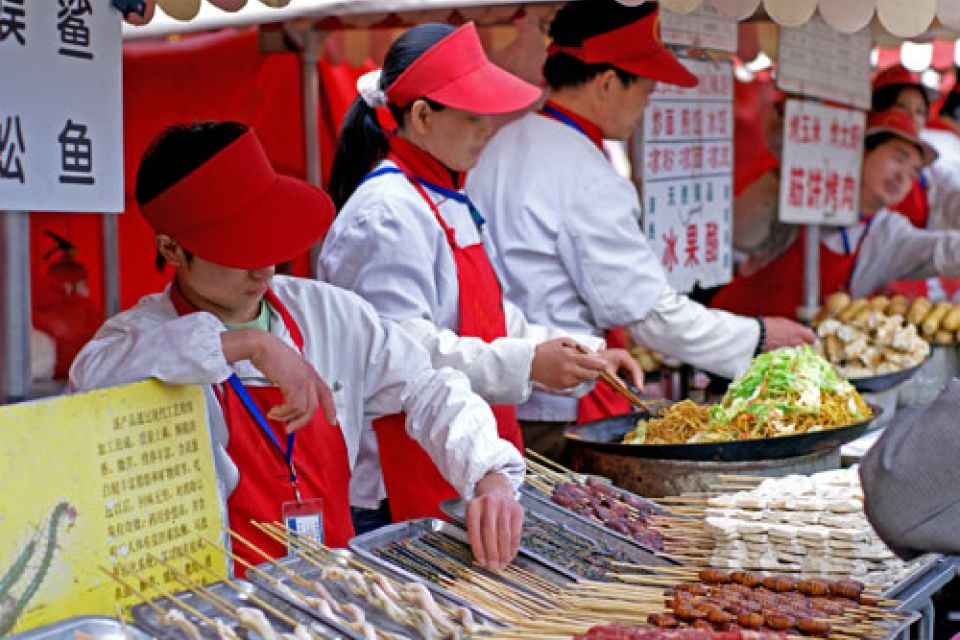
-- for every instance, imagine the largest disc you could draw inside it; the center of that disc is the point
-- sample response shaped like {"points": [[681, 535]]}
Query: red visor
{"points": [[901, 125], [636, 48], [457, 73], [899, 76], [236, 211]]}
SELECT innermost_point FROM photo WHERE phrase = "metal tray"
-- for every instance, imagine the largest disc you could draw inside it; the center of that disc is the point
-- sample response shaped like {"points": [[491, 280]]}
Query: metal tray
{"points": [[601, 537], [148, 619], [606, 435], [917, 568], [367, 544], [875, 384], [311, 572], [99, 627]]}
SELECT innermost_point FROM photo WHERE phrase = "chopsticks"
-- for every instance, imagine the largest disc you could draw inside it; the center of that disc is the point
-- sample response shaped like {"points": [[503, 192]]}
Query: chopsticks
{"points": [[618, 385]]}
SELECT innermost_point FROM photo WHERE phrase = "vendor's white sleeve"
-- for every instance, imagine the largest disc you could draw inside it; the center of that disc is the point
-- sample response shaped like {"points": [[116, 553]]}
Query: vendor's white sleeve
{"points": [[453, 425], [896, 250], [716, 341], [182, 350], [499, 371]]}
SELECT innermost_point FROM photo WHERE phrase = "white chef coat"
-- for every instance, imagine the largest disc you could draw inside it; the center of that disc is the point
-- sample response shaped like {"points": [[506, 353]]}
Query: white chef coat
{"points": [[373, 367], [894, 250], [387, 246], [570, 253], [943, 179]]}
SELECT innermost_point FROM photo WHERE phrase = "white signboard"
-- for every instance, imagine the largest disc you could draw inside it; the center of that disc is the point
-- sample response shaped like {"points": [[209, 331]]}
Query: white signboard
{"points": [[817, 61], [61, 118], [822, 153], [686, 163], [703, 28]]}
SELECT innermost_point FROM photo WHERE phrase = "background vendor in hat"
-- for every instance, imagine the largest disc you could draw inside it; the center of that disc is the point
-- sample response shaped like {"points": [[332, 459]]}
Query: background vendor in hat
{"points": [[410, 242], [279, 355], [565, 225], [881, 247]]}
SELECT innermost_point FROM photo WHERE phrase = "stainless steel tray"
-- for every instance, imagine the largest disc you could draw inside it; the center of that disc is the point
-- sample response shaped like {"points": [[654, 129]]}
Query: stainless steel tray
{"points": [[547, 506], [601, 538], [374, 614], [102, 628], [148, 619], [917, 568], [368, 544]]}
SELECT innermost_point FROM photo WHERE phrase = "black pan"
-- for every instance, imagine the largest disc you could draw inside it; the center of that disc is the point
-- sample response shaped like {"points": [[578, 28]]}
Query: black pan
{"points": [[876, 384], [606, 435]]}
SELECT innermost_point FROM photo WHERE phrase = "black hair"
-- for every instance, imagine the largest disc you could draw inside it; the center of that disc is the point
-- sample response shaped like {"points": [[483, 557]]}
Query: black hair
{"points": [[873, 141], [175, 153], [363, 143], [885, 97], [951, 106], [578, 21]]}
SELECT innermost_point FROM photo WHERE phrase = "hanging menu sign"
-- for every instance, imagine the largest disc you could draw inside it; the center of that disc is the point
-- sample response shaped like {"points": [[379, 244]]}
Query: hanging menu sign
{"points": [[685, 161], [61, 122], [703, 28], [822, 152], [817, 61]]}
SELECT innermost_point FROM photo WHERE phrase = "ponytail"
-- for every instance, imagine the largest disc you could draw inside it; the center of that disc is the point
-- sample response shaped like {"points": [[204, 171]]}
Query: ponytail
{"points": [[363, 142], [362, 145]]}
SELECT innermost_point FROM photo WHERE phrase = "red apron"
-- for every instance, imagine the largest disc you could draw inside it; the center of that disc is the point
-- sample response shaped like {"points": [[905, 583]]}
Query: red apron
{"points": [[915, 206], [414, 486], [320, 457], [777, 289]]}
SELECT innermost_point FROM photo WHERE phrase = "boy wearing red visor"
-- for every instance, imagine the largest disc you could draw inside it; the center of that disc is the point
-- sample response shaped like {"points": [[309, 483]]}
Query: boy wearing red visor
{"points": [[565, 225], [291, 368], [411, 243]]}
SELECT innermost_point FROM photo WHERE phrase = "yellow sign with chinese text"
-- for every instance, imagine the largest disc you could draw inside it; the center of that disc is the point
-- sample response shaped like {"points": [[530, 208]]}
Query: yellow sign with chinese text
{"points": [[112, 477]]}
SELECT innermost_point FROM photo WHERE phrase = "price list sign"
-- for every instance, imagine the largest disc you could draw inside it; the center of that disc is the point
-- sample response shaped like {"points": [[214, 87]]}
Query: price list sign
{"points": [[822, 153], [686, 165], [107, 478], [61, 109]]}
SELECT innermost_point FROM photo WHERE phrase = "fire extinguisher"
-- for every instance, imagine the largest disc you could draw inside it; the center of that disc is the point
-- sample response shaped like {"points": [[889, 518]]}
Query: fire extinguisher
{"points": [[63, 307]]}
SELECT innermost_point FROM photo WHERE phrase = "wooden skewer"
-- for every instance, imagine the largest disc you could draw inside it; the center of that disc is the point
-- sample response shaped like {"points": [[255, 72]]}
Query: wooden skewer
{"points": [[219, 603], [166, 594], [123, 583], [279, 615]]}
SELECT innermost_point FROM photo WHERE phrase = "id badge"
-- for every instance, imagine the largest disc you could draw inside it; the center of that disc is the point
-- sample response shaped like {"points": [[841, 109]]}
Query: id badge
{"points": [[303, 521]]}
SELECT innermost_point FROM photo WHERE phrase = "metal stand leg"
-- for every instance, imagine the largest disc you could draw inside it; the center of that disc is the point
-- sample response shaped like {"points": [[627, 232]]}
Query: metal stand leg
{"points": [[15, 322]]}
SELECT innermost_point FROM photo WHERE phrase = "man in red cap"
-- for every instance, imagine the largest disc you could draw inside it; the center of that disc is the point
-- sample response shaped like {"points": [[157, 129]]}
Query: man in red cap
{"points": [[565, 225], [291, 368]]}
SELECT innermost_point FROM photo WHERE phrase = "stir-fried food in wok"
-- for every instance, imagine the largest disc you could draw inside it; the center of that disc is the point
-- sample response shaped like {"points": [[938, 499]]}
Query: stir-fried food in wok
{"points": [[784, 392]]}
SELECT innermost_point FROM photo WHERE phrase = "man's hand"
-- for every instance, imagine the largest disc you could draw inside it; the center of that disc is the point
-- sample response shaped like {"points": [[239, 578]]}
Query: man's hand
{"points": [[303, 389], [494, 522], [618, 359], [559, 364], [786, 333]]}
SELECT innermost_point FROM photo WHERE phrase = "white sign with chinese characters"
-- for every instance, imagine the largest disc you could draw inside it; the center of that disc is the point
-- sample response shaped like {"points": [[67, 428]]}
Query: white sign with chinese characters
{"points": [[822, 153], [686, 163], [817, 61], [703, 28], [61, 117]]}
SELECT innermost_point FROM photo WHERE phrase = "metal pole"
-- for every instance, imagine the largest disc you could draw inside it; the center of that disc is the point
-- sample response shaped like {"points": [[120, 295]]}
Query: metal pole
{"points": [[811, 274], [111, 265], [15, 321], [310, 96]]}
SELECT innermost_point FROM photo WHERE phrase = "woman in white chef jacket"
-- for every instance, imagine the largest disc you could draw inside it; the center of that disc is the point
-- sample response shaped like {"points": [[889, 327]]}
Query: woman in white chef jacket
{"points": [[410, 242]]}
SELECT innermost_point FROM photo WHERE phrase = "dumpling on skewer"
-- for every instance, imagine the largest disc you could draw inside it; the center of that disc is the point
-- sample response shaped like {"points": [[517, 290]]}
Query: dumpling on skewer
{"points": [[176, 619], [256, 621]]}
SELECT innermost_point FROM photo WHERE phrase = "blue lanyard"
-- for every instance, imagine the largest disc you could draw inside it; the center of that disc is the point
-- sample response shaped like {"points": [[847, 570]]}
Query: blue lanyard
{"points": [[847, 249], [443, 191], [257, 416], [564, 119]]}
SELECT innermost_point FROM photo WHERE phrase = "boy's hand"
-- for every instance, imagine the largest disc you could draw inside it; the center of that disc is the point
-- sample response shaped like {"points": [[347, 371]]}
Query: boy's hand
{"points": [[303, 390], [494, 522]]}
